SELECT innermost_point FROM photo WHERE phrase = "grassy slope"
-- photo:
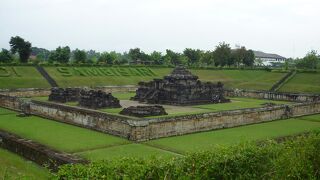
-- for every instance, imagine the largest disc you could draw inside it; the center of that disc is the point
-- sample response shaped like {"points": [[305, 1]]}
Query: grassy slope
{"points": [[303, 82], [14, 167], [129, 150], [30, 78], [57, 135], [247, 79], [206, 140]]}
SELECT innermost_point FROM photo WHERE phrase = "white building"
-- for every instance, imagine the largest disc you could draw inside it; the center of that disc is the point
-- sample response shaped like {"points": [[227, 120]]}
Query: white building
{"points": [[266, 59]]}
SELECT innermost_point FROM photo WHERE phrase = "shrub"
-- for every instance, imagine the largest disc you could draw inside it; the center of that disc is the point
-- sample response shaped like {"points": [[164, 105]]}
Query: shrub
{"points": [[294, 159]]}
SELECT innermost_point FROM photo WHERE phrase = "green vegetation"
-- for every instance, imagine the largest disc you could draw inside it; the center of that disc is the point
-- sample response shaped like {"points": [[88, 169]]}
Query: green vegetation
{"points": [[14, 167], [298, 158], [207, 140], [21, 77], [6, 111], [303, 83], [128, 150], [57, 135]]}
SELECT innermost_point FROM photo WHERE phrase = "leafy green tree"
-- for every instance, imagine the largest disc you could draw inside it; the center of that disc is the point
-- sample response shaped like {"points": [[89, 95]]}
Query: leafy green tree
{"points": [[61, 55], [249, 58], [310, 61], [193, 55], [136, 55], [5, 56], [172, 57], [157, 58], [108, 58], [22, 47], [40, 53], [239, 55], [222, 54], [207, 58], [79, 56]]}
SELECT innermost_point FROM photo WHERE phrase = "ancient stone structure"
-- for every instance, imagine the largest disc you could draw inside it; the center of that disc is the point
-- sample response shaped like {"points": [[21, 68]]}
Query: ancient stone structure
{"points": [[180, 88], [64, 95], [96, 99], [143, 111]]}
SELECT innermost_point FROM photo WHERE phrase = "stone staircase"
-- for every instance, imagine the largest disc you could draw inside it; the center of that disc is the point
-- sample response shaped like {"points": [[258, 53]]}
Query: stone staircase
{"points": [[45, 74], [283, 80]]}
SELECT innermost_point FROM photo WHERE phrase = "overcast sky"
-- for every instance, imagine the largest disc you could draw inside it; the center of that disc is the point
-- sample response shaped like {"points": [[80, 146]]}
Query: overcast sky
{"points": [[286, 27]]}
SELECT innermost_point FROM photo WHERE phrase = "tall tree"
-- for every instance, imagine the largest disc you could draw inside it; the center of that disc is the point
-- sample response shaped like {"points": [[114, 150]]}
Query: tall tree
{"points": [[157, 58], [22, 47], [5, 56], [193, 55], [135, 55], [172, 57], [61, 54], [207, 58], [222, 54], [249, 58], [239, 55], [79, 56], [310, 61]]}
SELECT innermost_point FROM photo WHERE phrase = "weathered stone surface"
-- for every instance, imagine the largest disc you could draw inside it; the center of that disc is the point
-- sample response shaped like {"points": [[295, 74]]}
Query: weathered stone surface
{"points": [[97, 99], [180, 88], [64, 95], [143, 111]]}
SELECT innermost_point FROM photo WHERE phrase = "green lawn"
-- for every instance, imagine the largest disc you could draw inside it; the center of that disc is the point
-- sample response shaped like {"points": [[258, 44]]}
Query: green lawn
{"points": [[57, 135], [206, 140], [315, 118], [246, 79], [129, 150], [123, 96], [4, 111], [13, 166], [26, 77], [304, 83]]}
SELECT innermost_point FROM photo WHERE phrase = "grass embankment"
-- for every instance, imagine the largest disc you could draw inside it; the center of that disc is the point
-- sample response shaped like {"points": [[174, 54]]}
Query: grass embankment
{"points": [[13, 166], [21, 77], [245, 79], [303, 83]]}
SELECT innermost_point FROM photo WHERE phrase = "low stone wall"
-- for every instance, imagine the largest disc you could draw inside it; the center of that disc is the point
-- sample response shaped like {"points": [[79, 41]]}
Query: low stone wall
{"points": [[295, 97], [164, 127], [29, 92], [112, 89], [10, 102], [96, 120], [38, 153]]}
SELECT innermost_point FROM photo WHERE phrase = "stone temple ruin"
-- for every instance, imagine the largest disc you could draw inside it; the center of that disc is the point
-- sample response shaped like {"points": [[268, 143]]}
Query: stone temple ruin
{"points": [[64, 95], [96, 99], [143, 111], [180, 88]]}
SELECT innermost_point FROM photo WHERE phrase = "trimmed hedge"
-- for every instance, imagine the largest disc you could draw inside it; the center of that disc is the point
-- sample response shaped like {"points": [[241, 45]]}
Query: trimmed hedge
{"points": [[294, 159]]}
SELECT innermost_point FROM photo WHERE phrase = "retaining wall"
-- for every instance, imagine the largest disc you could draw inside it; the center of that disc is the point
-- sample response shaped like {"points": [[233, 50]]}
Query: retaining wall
{"points": [[295, 97], [38, 153]]}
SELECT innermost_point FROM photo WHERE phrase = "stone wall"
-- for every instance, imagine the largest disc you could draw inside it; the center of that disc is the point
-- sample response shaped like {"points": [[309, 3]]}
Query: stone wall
{"points": [[91, 119], [296, 97], [38, 153], [10, 102]]}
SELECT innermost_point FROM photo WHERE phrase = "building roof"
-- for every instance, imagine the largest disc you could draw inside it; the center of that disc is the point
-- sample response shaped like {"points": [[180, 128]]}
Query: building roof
{"points": [[260, 54]]}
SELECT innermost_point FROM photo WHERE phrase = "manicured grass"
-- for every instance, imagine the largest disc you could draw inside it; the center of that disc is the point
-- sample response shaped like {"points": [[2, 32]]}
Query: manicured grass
{"points": [[243, 79], [246, 79], [4, 111], [315, 118], [13, 166], [239, 103], [129, 150], [93, 81], [123, 95], [28, 77], [303, 83], [57, 135], [206, 140]]}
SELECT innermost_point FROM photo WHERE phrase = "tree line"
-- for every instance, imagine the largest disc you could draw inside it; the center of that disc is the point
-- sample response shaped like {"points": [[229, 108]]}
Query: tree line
{"points": [[221, 56]]}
